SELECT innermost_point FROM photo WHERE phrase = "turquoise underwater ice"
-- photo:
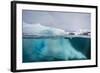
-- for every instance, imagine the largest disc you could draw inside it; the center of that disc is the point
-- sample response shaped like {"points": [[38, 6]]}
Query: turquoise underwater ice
{"points": [[55, 49]]}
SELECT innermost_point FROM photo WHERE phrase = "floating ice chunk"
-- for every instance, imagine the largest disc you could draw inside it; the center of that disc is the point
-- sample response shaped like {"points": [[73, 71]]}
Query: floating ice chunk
{"points": [[38, 29]]}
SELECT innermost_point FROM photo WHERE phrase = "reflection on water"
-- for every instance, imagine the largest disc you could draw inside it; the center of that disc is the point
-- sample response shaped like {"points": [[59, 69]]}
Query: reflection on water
{"points": [[56, 49]]}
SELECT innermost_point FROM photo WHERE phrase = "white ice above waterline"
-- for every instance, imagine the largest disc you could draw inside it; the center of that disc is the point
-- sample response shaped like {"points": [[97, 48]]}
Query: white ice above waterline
{"points": [[38, 29], [42, 30]]}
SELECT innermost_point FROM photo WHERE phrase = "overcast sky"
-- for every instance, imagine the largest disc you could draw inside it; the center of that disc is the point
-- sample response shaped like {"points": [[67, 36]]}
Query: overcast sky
{"points": [[68, 21]]}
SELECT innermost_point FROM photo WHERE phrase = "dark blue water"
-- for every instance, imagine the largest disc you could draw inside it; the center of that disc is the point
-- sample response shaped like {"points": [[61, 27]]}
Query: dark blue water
{"points": [[56, 49]]}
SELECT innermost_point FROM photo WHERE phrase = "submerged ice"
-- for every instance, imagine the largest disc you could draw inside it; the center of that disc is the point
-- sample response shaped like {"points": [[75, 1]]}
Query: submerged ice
{"points": [[50, 49]]}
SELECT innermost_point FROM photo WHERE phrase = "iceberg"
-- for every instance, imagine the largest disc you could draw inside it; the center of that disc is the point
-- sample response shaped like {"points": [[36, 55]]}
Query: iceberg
{"points": [[38, 29], [49, 49]]}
